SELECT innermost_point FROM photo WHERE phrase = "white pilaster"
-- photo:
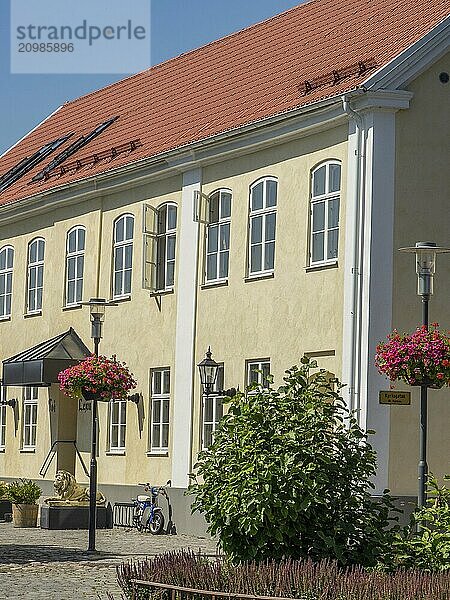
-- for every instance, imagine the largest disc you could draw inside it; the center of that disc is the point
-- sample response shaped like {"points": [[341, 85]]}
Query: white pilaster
{"points": [[186, 285], [377, 278], [369, 255]]}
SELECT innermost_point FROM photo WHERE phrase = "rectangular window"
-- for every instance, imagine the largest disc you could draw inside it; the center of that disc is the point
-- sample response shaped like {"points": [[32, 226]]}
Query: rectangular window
{"points": [[166, 242], [257, 371], [35, 283], [212, 411], [123, 256], [75, 247], [30, 408], [218, 236], [263, 204], [324, 213], [6, 273], [160, 402], [118, 424]]}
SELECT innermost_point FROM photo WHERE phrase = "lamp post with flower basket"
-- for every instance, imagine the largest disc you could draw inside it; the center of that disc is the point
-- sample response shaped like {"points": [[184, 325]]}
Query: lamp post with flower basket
{"points": [[96, 378], [423, 357]]}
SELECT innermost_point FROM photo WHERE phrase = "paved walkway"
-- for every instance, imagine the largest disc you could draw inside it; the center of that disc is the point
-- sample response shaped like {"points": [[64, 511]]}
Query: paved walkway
{"points": [[38, 564]]}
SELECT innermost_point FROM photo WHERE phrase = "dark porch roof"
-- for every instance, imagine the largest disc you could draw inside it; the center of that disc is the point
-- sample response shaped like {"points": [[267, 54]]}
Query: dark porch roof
{"points": [[40, 365]]}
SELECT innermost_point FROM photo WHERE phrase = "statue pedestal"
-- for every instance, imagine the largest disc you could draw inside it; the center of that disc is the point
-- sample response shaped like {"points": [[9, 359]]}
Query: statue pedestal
{"points": [[74, 517], [5, 508]]}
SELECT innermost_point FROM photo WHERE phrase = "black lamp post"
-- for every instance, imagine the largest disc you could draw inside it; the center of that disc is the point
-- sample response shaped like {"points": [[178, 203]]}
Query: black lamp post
{"points": [[97, 308], [425, 268], [208, 376]]}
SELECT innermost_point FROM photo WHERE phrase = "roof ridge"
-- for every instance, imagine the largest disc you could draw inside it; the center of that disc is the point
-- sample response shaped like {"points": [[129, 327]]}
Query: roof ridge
{"points": [[193, 51]]}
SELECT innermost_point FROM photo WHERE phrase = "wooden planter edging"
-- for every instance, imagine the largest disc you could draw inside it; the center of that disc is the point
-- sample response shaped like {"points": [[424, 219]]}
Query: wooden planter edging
{"points": [[176, 590]]}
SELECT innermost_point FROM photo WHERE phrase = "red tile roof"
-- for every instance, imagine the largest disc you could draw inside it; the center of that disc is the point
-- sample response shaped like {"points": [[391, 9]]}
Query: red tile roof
{"points": [[247, 76]]}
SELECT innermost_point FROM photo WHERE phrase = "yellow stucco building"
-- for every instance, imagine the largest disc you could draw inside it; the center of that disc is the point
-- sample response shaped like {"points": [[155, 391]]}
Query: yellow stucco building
{"points": [[254, 208]]}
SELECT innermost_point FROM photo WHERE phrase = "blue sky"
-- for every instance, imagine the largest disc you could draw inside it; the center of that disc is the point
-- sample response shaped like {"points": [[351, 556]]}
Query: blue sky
{"points": [[176, 26]]}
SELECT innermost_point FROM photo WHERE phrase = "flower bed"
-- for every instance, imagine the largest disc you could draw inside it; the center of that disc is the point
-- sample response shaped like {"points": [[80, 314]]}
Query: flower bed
{"points": [[420, 358], [303, 580], [105, 378]]}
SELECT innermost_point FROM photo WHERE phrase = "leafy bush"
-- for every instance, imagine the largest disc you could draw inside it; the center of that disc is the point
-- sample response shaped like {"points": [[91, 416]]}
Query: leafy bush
{"points": [[429, 548], [287, 578], [24, 491], [3, 490], [288, 475]]}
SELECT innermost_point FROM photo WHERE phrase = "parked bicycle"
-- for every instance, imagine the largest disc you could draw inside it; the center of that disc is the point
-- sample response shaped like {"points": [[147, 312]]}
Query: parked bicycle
{"points": [[148, 515]]}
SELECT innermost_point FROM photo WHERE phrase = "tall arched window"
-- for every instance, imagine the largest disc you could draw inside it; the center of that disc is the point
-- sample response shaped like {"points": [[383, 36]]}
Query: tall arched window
{"points": [[166, 241], [123, 255], [262, 226], [75, 247], [35, 276], [6, 273], [324, 216], [218, 236]]}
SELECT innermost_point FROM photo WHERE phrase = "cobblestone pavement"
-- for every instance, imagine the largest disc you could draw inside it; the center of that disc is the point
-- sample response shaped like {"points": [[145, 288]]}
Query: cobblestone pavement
{"points": [[39, 564]]}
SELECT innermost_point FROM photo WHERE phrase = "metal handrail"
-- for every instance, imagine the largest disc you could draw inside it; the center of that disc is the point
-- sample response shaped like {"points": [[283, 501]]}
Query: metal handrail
{"points": [[213, 594], [46, 464]]}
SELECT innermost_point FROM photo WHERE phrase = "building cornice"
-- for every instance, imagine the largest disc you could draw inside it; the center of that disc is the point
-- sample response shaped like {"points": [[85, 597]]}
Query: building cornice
{"points": [[251, 138]]}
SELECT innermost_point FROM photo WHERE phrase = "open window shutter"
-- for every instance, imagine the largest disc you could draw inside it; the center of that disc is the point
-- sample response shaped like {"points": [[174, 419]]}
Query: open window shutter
{"points": [[149, 233], [201, 207]]}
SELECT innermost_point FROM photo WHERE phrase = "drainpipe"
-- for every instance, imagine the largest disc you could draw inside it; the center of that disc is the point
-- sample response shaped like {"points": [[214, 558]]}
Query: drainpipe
{"points": [[355, 260]]}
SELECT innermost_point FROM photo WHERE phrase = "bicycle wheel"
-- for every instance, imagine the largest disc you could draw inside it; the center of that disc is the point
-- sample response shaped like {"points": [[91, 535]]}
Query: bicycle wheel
{"points": [[157, 524]]}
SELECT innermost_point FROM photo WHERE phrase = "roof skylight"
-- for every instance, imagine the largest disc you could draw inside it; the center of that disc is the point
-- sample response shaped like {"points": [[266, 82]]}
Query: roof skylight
{"points": [[74, 147]]}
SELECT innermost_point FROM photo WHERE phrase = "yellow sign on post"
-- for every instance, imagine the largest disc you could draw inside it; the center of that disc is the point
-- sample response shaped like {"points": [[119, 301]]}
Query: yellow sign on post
{"points": [[393, 397]]}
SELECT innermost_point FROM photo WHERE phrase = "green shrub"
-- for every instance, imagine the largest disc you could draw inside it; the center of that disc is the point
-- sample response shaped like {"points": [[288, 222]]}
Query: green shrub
{"points": [[3, 490], [429, 548], [24, 491], [288, 475]]}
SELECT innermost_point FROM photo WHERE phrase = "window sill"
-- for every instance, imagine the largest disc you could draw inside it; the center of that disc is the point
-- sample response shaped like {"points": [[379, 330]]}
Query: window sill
{"points": [[7, 318], [162, 292], [71, 307], [27, 450], [321, 266], [2, 450], [119, 299], [214, 284], [158, 453], [115, 453], [37, 313], [258, 277]]}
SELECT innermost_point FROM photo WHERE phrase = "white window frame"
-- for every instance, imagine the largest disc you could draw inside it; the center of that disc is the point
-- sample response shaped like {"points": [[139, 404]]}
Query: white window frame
{"points": [[36, 269], [73, 256], [30, 417], [161, 397], [121, 247], [3, 418], [120, 424], [220, 224], [163, 235], [6, 276], [326, 199], [262, 213], [217, 408], [258, 365]]}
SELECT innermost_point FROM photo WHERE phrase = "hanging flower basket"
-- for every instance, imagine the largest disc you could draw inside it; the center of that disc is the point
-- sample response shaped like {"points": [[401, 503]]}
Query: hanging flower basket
{"points": [[420, 358], [97, 377]]}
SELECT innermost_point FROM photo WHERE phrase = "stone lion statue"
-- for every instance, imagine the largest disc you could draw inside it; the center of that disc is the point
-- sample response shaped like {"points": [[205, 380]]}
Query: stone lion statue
{"points": [[70, 493]]}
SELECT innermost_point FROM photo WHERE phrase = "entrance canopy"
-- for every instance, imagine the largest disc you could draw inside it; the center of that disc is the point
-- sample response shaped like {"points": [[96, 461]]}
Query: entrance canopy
{"points": [[40, 365]]}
